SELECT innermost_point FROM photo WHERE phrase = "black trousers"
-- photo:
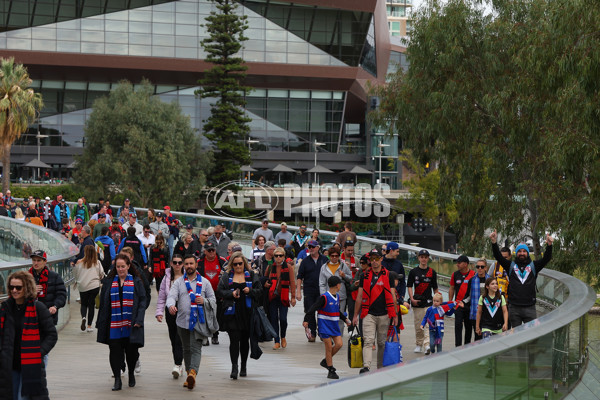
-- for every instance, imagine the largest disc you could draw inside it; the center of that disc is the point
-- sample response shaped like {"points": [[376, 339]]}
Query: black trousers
{"points": [[119, 351], [311, 298], [462, 318], [88, 304], [176, 346], [239, 345]]}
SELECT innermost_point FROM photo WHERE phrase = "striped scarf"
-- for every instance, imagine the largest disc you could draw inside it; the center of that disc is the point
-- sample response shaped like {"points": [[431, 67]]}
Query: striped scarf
{"points": [[31, 353], [120, 318], [41, 279], [248, 285], [196, 310]]}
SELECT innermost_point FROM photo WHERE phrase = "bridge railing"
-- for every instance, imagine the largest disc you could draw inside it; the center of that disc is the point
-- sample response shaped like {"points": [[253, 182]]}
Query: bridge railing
{"points": [[17, 241]]}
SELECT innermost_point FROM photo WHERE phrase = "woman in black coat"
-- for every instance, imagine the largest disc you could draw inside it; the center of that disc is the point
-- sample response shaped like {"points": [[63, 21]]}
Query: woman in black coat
{"points": [[239, 288], [121, 317], [30, 378]]}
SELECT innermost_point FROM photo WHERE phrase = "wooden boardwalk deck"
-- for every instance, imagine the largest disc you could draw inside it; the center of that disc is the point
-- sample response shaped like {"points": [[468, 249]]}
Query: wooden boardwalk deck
{"points": [[79, 368]]}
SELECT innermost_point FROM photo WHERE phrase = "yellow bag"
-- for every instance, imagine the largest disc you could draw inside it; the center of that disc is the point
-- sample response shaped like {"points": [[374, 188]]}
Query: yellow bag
{"points": [[355, 347]]}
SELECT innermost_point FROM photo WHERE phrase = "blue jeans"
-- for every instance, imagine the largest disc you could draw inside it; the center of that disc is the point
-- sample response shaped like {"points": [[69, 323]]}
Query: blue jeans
{"points": [[278, 316], [434, 347], [17, 382]]}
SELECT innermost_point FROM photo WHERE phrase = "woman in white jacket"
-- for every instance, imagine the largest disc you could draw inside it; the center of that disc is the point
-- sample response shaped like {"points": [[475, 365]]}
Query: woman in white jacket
{"points": [[88, 273]]}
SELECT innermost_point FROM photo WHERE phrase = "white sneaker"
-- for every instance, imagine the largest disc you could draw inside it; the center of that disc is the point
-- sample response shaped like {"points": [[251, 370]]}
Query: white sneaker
{"points": [[176, 371], [90, 329], [417, 349], [138, 367]]}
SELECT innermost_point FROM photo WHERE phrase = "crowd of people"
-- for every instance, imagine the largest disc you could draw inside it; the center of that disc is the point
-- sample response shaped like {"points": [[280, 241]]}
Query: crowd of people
{"points": [[205, 284]]}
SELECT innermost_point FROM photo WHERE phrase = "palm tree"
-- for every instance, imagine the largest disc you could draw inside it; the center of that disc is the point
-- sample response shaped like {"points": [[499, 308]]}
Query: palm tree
{"points": [[19, 106]]}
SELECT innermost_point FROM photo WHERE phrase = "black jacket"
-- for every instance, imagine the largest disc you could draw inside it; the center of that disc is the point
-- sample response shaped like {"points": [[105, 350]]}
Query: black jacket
{"points": [[309, 271], [522, 293], [48, 338], [137, 313], [88, 241], [56, 295], [224, 294]]}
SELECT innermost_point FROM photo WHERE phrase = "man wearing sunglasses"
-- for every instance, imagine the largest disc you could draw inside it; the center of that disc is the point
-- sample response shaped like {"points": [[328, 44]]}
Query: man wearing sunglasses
{"points": [[308, 274], [477, 284], [210, 267]]}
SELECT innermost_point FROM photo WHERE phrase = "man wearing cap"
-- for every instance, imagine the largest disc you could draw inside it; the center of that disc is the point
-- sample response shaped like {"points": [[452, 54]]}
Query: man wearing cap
{"points": [[283, 234], [116, 232], [460, 290], [376, 305], [210, 267], [80, 211], [101, 224], [308, 273], [189, 228], [522, 276], [424, 280], [263, 230], [220, 241], [392, 264], [147, 239], [51, 289], [160, 226], [132, 221], [61, 210]]}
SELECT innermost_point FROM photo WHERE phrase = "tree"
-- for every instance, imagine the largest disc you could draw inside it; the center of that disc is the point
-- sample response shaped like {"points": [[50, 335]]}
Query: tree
{"points": [[227, 127], [427, 195], [19, 107], [504, 93], [142, 148]]}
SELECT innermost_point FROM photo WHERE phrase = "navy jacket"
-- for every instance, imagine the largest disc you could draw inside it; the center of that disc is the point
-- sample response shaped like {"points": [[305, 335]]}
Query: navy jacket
{"points": [[309, 271]]}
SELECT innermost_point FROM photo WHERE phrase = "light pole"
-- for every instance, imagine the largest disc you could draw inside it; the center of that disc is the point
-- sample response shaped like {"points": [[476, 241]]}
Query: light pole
{"points": [[250, 141], [381, 146], [317, 144], [39, 137]]}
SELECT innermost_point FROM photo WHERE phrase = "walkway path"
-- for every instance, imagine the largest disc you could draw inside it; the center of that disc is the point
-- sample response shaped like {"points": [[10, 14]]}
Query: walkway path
{"points": [[79, 368]]}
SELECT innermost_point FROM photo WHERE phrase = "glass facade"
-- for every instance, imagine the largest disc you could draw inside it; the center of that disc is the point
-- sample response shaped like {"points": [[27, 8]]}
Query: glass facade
{"points": [[170, 29], [346, 35], [283, 120]]}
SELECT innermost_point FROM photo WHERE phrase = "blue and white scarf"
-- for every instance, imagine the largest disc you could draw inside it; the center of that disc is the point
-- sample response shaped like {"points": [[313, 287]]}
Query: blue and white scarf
{"points": [[120, 317], [196, 310]]}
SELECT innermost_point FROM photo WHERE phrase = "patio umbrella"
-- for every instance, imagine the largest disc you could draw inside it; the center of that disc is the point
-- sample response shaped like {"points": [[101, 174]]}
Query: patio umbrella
{"points": [[319, 169], [279, 168], [357, 170]]}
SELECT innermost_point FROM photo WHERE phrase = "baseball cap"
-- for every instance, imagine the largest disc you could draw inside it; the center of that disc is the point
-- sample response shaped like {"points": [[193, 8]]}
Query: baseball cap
{"points": [[132, 214], [189, 226], [462, 258], [364, 258], [313, 243], [374, 254], [167, 208], [101, 215], [265, 220], [126, 199], [46, 198], [283, 224], [423, 252], [40, 254], [348, 243], [79, 221], [160, 214], [209, 245], [115, 221], [236, 248], [392, 246]]}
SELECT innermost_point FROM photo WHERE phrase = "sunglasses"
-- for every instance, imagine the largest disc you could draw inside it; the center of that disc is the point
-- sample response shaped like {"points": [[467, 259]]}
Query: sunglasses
{"points": [[209, 250], [375, 258], [480, 266], [311, 247], [18, 288], [177, 262], [334, 255], [237, 264], [279, 255]]}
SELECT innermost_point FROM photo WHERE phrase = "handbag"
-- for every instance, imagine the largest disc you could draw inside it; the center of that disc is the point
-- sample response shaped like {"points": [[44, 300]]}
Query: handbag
{"points": [[392, 352], [355, 347]]}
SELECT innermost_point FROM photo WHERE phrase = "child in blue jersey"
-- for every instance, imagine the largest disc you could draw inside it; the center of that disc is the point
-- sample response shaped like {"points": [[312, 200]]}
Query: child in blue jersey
{"points": [[434, 318], [328, 315]]}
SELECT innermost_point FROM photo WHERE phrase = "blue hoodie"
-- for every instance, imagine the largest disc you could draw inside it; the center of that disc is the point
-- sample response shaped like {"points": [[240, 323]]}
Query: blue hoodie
{"points": [[107, 241]]}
